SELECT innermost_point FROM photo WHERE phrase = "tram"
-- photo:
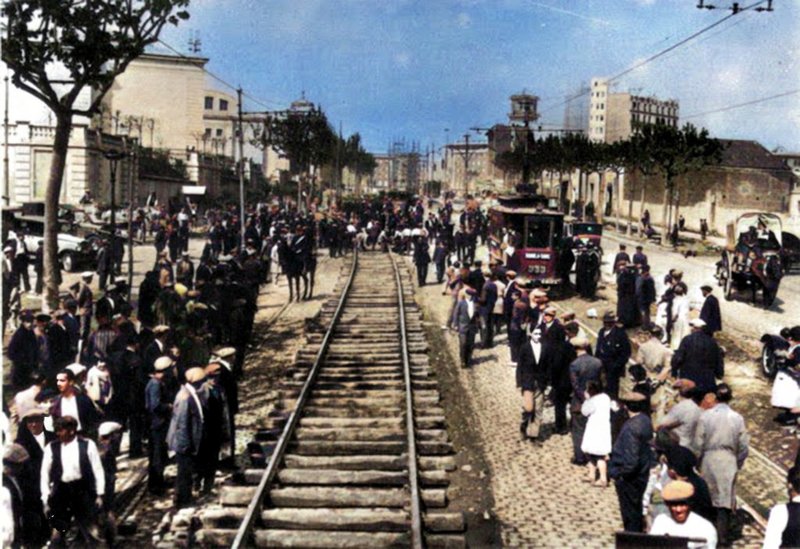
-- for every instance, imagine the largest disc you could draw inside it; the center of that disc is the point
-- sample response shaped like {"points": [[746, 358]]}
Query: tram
{"points": [[526, 234]]}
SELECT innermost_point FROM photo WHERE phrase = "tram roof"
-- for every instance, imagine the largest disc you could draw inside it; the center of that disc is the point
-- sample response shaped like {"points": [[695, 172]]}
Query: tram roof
{"points": [[527, 210]]}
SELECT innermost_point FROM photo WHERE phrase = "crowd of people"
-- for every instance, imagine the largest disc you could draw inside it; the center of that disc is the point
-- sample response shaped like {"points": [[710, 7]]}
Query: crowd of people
{"points": [[164, 368]]}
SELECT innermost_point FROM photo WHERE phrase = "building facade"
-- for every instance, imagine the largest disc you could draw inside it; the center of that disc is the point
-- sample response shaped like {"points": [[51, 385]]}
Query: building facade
{"points": [[615, 116]]}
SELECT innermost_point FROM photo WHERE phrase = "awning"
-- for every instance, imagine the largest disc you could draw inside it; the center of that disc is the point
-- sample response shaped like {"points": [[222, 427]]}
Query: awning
{"points": [[195, 190]]}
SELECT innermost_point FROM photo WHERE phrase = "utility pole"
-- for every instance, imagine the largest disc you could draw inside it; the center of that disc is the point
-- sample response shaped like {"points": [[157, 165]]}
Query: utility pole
{"points": [[465, 155], [133, 171], [6, 170], [241, 166]]}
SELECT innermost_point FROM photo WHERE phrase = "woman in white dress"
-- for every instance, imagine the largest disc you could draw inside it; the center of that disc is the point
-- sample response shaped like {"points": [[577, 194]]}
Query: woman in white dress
{"points": [[680, 316], [596, 443]]}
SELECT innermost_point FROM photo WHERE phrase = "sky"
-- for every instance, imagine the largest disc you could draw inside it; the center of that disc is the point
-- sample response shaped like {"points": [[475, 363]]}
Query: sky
{"points": [[429, 70]]}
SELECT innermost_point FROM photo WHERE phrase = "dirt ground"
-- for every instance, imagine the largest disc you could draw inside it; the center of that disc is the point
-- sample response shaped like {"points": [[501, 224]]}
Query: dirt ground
{"points": [[470, 484]]}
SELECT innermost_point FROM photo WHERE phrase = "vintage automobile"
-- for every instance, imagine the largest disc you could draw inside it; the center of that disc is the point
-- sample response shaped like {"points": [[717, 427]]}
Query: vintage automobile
{"points": [[584, 233], [751, 259], [771, 359], [73, 251], [790, 252]]}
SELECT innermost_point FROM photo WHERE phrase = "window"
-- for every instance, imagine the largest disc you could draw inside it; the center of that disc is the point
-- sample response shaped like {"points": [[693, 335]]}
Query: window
{"points": [[208, 132], [209, 102], [223, 105], [219, 132]]}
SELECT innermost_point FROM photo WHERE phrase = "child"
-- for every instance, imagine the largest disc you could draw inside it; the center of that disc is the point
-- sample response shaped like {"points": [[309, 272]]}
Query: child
{"points": [[596, 442]]}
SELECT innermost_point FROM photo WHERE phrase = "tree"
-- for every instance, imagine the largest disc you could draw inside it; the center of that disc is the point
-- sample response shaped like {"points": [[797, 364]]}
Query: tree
{"points": [[94, 41], [675, 152], [358, 159], [304, 137]]}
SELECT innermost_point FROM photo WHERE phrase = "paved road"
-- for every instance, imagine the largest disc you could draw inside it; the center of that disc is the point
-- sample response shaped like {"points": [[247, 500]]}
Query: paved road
{"points": [[740, 315]]}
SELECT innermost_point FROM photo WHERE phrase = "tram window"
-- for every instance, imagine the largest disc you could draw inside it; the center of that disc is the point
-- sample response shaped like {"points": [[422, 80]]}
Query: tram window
{"points": [[538, 233]]}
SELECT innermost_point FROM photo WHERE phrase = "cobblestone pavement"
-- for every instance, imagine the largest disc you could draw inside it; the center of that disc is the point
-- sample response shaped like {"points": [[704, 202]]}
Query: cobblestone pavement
{"points": [[540, 498]]}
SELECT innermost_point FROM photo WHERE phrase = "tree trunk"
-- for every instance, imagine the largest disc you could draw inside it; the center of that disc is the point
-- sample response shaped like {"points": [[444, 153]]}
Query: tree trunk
{"points": [[630, 212], [641, 203], [664, 220], [51, 266]]}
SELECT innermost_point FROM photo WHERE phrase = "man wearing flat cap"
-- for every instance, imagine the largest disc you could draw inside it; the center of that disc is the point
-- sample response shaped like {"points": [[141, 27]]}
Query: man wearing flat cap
{"points": [[699, 358], [467, 322], [158, 405], [631, 460], [682, 521], [682, 417], [22, 521], [185, 434], [613, 350], [710, 312], [33, 436], [681, 464]]}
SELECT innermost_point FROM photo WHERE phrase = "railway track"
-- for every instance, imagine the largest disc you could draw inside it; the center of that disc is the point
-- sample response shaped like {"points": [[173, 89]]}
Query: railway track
{"points": [[360, 458]]}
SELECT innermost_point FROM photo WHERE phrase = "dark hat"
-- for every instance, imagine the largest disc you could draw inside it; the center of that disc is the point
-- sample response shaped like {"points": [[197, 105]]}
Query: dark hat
{"points": [[26, 315], [681, 460], [794, 333], [609, 316], [706, 288], [42, 317]]}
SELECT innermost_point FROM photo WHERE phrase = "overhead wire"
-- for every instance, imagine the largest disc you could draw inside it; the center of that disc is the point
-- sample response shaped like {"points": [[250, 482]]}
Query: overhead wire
{"points": [[659, 54], [745, 104], [223, 81]]}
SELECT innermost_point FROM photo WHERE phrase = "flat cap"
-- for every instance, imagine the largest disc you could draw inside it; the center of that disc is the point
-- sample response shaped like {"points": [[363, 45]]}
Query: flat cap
{"points": [[538, 292], [33, 411], [87, 274], [193, 375], [677, 491], [8, 249], [511, 274], [609, 316], [181, 289], [162, 363], [579, 341], [108, 427], [551, 311], [76, 368], [15, 453], [697, 323], [161, 329], [225, 352]]}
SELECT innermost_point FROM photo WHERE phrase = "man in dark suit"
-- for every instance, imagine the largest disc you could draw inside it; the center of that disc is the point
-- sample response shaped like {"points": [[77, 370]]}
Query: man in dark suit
{"points": [[710, 313], [699, 358], [622, 255], [71, 400], [34, 437], [467, 321], [645, 294], [23, 351], [59, 343], [613, 350], [533, 377], [559, 356]]}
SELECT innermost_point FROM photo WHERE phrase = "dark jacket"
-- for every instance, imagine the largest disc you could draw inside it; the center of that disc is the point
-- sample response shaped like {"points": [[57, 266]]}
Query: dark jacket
{"points": [[632, 456], [645, 291], [699, 358], [88, 415], [23, 349], [710, 314], [463, 322], [613, 349], [185, 432], [533, 375]]}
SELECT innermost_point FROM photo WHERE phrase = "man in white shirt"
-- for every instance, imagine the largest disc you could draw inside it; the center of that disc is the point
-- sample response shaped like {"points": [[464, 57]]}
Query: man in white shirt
{"points": [[72, 482], [681, 521], [783, 528]]}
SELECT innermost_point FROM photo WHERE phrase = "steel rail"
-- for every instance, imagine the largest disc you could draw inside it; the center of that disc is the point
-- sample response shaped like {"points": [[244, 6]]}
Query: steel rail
{"points": [[413, 474], [243, 533]]}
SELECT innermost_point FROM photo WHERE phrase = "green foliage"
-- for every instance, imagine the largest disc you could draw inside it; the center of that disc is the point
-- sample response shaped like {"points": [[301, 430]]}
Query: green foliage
{"points": [[94, 40], [306, 138]]}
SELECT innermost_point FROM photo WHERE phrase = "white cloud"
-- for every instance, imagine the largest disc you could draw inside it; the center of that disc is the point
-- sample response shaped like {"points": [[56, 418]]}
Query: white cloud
{"points": [[463, 20], [402, 59]]}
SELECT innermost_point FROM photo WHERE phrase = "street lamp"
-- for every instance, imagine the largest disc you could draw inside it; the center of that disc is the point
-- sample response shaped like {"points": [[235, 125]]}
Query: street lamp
{"points": [[113, 156]]}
